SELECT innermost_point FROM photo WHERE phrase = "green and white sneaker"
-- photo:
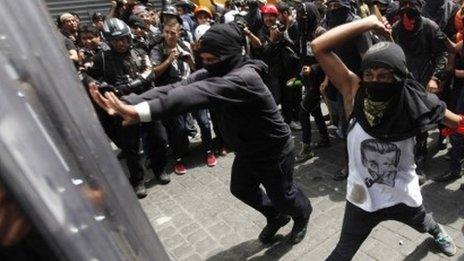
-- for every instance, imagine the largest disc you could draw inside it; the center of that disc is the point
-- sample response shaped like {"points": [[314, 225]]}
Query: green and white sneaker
{"points": [[445, 243]]}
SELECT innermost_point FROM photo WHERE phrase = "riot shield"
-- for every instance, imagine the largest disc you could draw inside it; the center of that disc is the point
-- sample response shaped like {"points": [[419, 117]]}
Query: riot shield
{"points": [[54, 156]]}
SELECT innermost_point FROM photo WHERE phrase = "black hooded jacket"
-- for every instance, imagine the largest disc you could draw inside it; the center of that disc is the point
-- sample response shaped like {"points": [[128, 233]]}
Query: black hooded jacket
{"points": [[249, 119], [424, 48]]}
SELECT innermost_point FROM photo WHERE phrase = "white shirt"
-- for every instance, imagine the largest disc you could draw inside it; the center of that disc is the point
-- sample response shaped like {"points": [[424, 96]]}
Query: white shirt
{"points": [[381, 174]]}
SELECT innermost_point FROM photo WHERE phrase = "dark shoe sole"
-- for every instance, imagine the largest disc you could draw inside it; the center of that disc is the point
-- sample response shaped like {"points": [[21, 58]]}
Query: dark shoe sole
{"points": [[269, 239]]}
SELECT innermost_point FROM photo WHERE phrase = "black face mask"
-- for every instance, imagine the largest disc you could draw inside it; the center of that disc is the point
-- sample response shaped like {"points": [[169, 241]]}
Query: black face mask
{"points": [[223, 66], [381, 92], [338, 16]]}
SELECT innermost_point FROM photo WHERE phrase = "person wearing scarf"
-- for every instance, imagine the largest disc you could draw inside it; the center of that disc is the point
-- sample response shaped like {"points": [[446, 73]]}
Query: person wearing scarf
{"points": [[427, 63], [249, 121], [387, 109]]}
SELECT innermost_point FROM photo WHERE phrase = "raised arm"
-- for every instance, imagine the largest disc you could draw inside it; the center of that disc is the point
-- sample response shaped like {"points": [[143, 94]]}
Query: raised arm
{"points": [[343, 79]]}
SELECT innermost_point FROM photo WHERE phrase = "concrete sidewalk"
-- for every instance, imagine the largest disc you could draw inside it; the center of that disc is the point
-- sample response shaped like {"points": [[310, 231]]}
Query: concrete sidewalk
{"points": [[197, 218]]}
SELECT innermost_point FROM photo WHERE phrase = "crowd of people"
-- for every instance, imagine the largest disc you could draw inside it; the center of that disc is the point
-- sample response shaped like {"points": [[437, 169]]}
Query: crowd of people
{"points": [[251, 71]]}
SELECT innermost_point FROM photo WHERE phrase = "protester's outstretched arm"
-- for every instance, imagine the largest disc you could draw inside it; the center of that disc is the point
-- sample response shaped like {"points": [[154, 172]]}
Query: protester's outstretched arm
{"points": [[343, 79]]}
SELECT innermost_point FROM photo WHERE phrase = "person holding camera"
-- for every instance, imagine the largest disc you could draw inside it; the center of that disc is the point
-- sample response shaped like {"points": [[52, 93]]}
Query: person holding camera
{"points": [[278, 52], [173, 62], [124, 70]]}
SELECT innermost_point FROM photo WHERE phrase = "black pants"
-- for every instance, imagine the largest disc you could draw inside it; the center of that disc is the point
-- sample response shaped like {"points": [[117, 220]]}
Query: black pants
{"points": [[281, 196], [177, 135], [291, 98], [311, 104], [155, 145], [128, 140], [358, 224]]}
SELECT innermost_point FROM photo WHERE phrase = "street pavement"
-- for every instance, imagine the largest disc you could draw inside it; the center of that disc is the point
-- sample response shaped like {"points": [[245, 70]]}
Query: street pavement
{"points": [[197, 218]]}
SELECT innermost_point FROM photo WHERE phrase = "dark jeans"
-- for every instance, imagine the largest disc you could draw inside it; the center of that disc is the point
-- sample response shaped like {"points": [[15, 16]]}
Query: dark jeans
{"points": [[281, 196], [219, 142], [311, 104], [177, 135], [457, 140], [154, 140], [358, 224], [128, 140], [201, 116], [291, 98]]}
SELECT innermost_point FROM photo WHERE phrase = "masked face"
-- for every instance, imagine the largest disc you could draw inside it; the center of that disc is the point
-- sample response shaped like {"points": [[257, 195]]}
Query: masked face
{"points": [[409, 16], [380, 88], [336, 14]]}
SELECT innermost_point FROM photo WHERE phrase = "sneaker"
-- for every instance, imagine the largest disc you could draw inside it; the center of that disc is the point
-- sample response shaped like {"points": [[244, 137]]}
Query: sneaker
{"points": [[448, 176], [221, 151], [271, 228], [179, 168], [305, 153], [211, 160], [140, 190], [445, 243], [295, 126], [163, 178], [341, 174], [300, 227]]}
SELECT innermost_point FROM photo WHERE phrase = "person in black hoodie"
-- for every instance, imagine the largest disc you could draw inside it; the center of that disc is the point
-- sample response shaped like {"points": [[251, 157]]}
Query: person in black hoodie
{"points": [[427, 63], [313, 77], [340, 12], [249, 121]]}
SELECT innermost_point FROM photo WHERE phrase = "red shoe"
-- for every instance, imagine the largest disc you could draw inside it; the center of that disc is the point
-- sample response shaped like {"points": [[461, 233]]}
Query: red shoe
{"points": [[211, 160], [179, 168]]}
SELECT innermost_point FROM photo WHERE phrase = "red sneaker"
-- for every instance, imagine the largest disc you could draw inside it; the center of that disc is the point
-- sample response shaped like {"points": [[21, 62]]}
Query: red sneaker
{"points": [[211, 160], [179, 168]]}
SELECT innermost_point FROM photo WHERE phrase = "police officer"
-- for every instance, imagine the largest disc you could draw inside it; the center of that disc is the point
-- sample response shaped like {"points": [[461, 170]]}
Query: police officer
{"points": [[128, 70], [250, 124]]}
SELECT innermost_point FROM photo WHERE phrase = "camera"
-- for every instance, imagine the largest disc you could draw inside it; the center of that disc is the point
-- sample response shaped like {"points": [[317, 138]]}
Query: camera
{"points": [[280, 26], [105, 87]]}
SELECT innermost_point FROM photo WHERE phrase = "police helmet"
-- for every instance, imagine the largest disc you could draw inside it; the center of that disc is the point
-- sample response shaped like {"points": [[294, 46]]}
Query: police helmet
{"points": [[114, 28]]}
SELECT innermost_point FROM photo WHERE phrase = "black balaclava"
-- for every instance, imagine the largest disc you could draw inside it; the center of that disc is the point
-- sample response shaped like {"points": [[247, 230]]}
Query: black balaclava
{"points": [[410, 16], [226, 41], [398, 110], [308, 18], [340, 15]]}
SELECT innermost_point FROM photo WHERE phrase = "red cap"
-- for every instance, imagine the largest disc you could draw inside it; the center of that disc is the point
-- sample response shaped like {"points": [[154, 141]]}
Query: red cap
{"points": [[269, 9]]}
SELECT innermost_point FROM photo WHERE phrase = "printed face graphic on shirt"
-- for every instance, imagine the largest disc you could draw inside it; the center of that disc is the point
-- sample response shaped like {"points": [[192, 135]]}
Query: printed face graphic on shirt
{"points": [[381, 160]]}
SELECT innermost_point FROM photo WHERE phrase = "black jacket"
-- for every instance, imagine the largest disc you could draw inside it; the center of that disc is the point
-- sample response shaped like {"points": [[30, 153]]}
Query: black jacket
{"points": [[249, 119], [425, 50]]}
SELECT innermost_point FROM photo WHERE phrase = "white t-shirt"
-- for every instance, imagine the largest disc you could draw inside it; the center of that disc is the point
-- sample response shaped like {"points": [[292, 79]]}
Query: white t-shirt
{"points": [[381, 174]]}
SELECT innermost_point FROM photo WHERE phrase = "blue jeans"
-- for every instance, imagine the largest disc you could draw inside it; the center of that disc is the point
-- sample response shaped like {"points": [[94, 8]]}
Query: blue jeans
{"points": [[201, 116]]}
